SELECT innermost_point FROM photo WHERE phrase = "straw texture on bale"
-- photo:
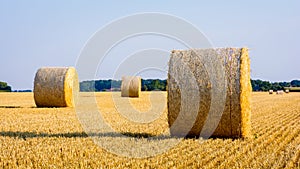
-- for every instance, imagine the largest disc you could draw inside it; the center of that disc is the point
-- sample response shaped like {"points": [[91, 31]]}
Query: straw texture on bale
{"points": [[56, 87], [131, 86], [235, 118]]}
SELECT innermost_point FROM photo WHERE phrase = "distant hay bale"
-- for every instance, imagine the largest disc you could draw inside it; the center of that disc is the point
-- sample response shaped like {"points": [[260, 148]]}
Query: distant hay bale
{"points": [[235, 119], [279, 92], [287, 91], [271, 91], [56, 87], [131, 86]]}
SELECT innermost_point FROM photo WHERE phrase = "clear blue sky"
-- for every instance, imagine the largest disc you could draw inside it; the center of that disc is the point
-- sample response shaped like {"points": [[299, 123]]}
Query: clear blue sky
{"points": [[52, 33]]}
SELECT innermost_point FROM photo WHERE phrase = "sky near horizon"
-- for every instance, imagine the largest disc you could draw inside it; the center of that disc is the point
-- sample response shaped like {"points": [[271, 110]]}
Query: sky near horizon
{"points": [[36, 33]]}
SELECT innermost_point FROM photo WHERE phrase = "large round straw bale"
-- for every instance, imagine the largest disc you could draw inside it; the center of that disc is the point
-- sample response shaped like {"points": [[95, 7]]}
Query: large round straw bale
{"points": [[131, 86], [234, 121], [56, 87]]}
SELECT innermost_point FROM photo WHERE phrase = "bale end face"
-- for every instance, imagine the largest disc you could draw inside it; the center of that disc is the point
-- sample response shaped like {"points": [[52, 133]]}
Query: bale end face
{"points": [[245, 94]]}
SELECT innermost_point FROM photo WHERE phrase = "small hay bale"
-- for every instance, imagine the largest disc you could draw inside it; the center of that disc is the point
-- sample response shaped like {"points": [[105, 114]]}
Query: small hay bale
{"points": [[235, 119], [271, 91], [287, 91], [279, 92], [56, 87], [131, 86]]}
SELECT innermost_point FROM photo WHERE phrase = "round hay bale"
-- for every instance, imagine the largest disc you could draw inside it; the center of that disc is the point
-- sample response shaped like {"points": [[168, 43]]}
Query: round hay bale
{"points": [[271, 91], [287, 91], [131, 86], [56, 87], [279, 92], [235, 119]]}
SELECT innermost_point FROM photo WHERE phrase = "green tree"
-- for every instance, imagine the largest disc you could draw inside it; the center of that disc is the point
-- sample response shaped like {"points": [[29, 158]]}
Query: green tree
{"points": [[4, 87], [295, 83], [144, 88]]}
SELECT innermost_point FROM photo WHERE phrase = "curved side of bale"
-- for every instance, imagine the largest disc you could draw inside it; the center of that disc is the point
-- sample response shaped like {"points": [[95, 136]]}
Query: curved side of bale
{"points": [[131, 86], [234, 121], [180, 119], [56, 87], [230, 122]]}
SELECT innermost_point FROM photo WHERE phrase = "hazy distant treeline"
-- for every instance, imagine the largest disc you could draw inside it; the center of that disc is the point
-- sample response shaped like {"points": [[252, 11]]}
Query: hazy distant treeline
{"points": [[115, 85], [157, 84], [259, 85]]}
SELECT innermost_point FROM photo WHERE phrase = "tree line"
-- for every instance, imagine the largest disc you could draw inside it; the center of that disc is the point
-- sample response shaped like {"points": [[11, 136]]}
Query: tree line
{"points": [[157, 84], [259, 85], [115, 85]]}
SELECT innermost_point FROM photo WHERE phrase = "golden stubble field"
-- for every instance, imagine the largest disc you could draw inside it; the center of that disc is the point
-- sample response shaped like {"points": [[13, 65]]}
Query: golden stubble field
{"points": [[33, 137]]}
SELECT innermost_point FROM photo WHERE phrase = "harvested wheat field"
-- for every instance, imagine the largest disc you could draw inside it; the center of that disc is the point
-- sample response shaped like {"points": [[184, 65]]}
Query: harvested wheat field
{"points": [[54, 138]]}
